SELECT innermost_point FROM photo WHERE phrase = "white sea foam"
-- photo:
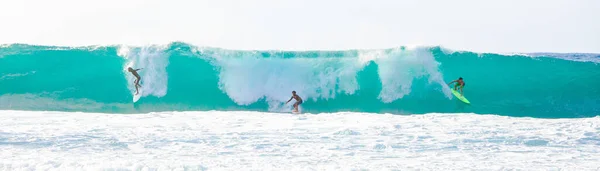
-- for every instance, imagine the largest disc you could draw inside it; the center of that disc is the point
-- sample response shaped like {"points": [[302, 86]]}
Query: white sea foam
{"points": [[269, 141], [398, 69], [248, 77], [153, 61]]}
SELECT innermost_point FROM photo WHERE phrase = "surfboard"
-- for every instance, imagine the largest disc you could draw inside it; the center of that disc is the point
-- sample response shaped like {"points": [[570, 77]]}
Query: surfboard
{"points": [[299, 110], [460, 97], [137, 97]]}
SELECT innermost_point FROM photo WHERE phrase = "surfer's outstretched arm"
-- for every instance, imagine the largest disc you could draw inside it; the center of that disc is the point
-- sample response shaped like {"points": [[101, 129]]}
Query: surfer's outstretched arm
{"points": [[289, 100], [139, 69], [451, 82]]}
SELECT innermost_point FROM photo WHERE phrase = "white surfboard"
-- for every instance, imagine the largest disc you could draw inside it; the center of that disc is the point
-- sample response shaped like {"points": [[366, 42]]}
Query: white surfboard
{"points": [[298, 112], [137, 97]]}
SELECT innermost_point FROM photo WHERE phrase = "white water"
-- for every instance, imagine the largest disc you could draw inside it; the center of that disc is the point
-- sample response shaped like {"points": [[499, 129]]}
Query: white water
{"points": [[399, 68], [248, 77], [269, 141], [153, 63]]}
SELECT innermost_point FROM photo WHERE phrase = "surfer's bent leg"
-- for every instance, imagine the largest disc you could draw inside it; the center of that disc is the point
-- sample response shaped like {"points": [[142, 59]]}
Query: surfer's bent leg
{"points": [[137, 81], [136, 85], [297, 104]]}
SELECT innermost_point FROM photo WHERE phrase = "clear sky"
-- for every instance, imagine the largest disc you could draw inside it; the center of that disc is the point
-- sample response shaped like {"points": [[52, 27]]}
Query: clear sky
{"points": [[476, 25]]}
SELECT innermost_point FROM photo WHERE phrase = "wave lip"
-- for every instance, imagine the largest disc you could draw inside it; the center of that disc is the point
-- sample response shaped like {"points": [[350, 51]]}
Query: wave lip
{"points": [[583, 57]]}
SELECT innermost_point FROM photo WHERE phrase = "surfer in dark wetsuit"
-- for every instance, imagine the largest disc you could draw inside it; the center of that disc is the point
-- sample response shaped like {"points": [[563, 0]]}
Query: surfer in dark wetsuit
{"points": [[137, 78], [460, 83], [298, 100]]}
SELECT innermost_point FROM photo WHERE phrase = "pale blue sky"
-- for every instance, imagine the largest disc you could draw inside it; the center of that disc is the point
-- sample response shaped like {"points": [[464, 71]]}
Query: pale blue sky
{"points": [[476, 25]]}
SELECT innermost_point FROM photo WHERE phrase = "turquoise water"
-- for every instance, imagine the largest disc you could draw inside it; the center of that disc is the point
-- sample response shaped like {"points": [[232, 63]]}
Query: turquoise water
{"points": [[182, 77]]}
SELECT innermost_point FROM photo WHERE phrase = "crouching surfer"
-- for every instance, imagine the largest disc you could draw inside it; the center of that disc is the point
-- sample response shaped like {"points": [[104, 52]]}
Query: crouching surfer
{"points": [[298, 101], [459, 85]]}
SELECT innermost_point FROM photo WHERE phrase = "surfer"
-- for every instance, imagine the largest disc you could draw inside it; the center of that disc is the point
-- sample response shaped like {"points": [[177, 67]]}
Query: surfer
{"points": [[298, 100], [137, 78], [460, 83]]}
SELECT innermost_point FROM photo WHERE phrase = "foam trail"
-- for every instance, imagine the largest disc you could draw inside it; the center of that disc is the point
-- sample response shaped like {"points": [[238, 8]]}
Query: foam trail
{"points": [[11, 76]]}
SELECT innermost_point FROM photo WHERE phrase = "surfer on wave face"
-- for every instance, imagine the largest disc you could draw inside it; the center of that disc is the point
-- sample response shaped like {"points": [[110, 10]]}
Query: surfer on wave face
{"points": [[298, 100], [460, 83], [137, 78]]}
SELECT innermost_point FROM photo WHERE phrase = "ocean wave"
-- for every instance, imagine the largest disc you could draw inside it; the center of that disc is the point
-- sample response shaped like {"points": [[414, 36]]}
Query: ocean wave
{"points": [[402, 80]]}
